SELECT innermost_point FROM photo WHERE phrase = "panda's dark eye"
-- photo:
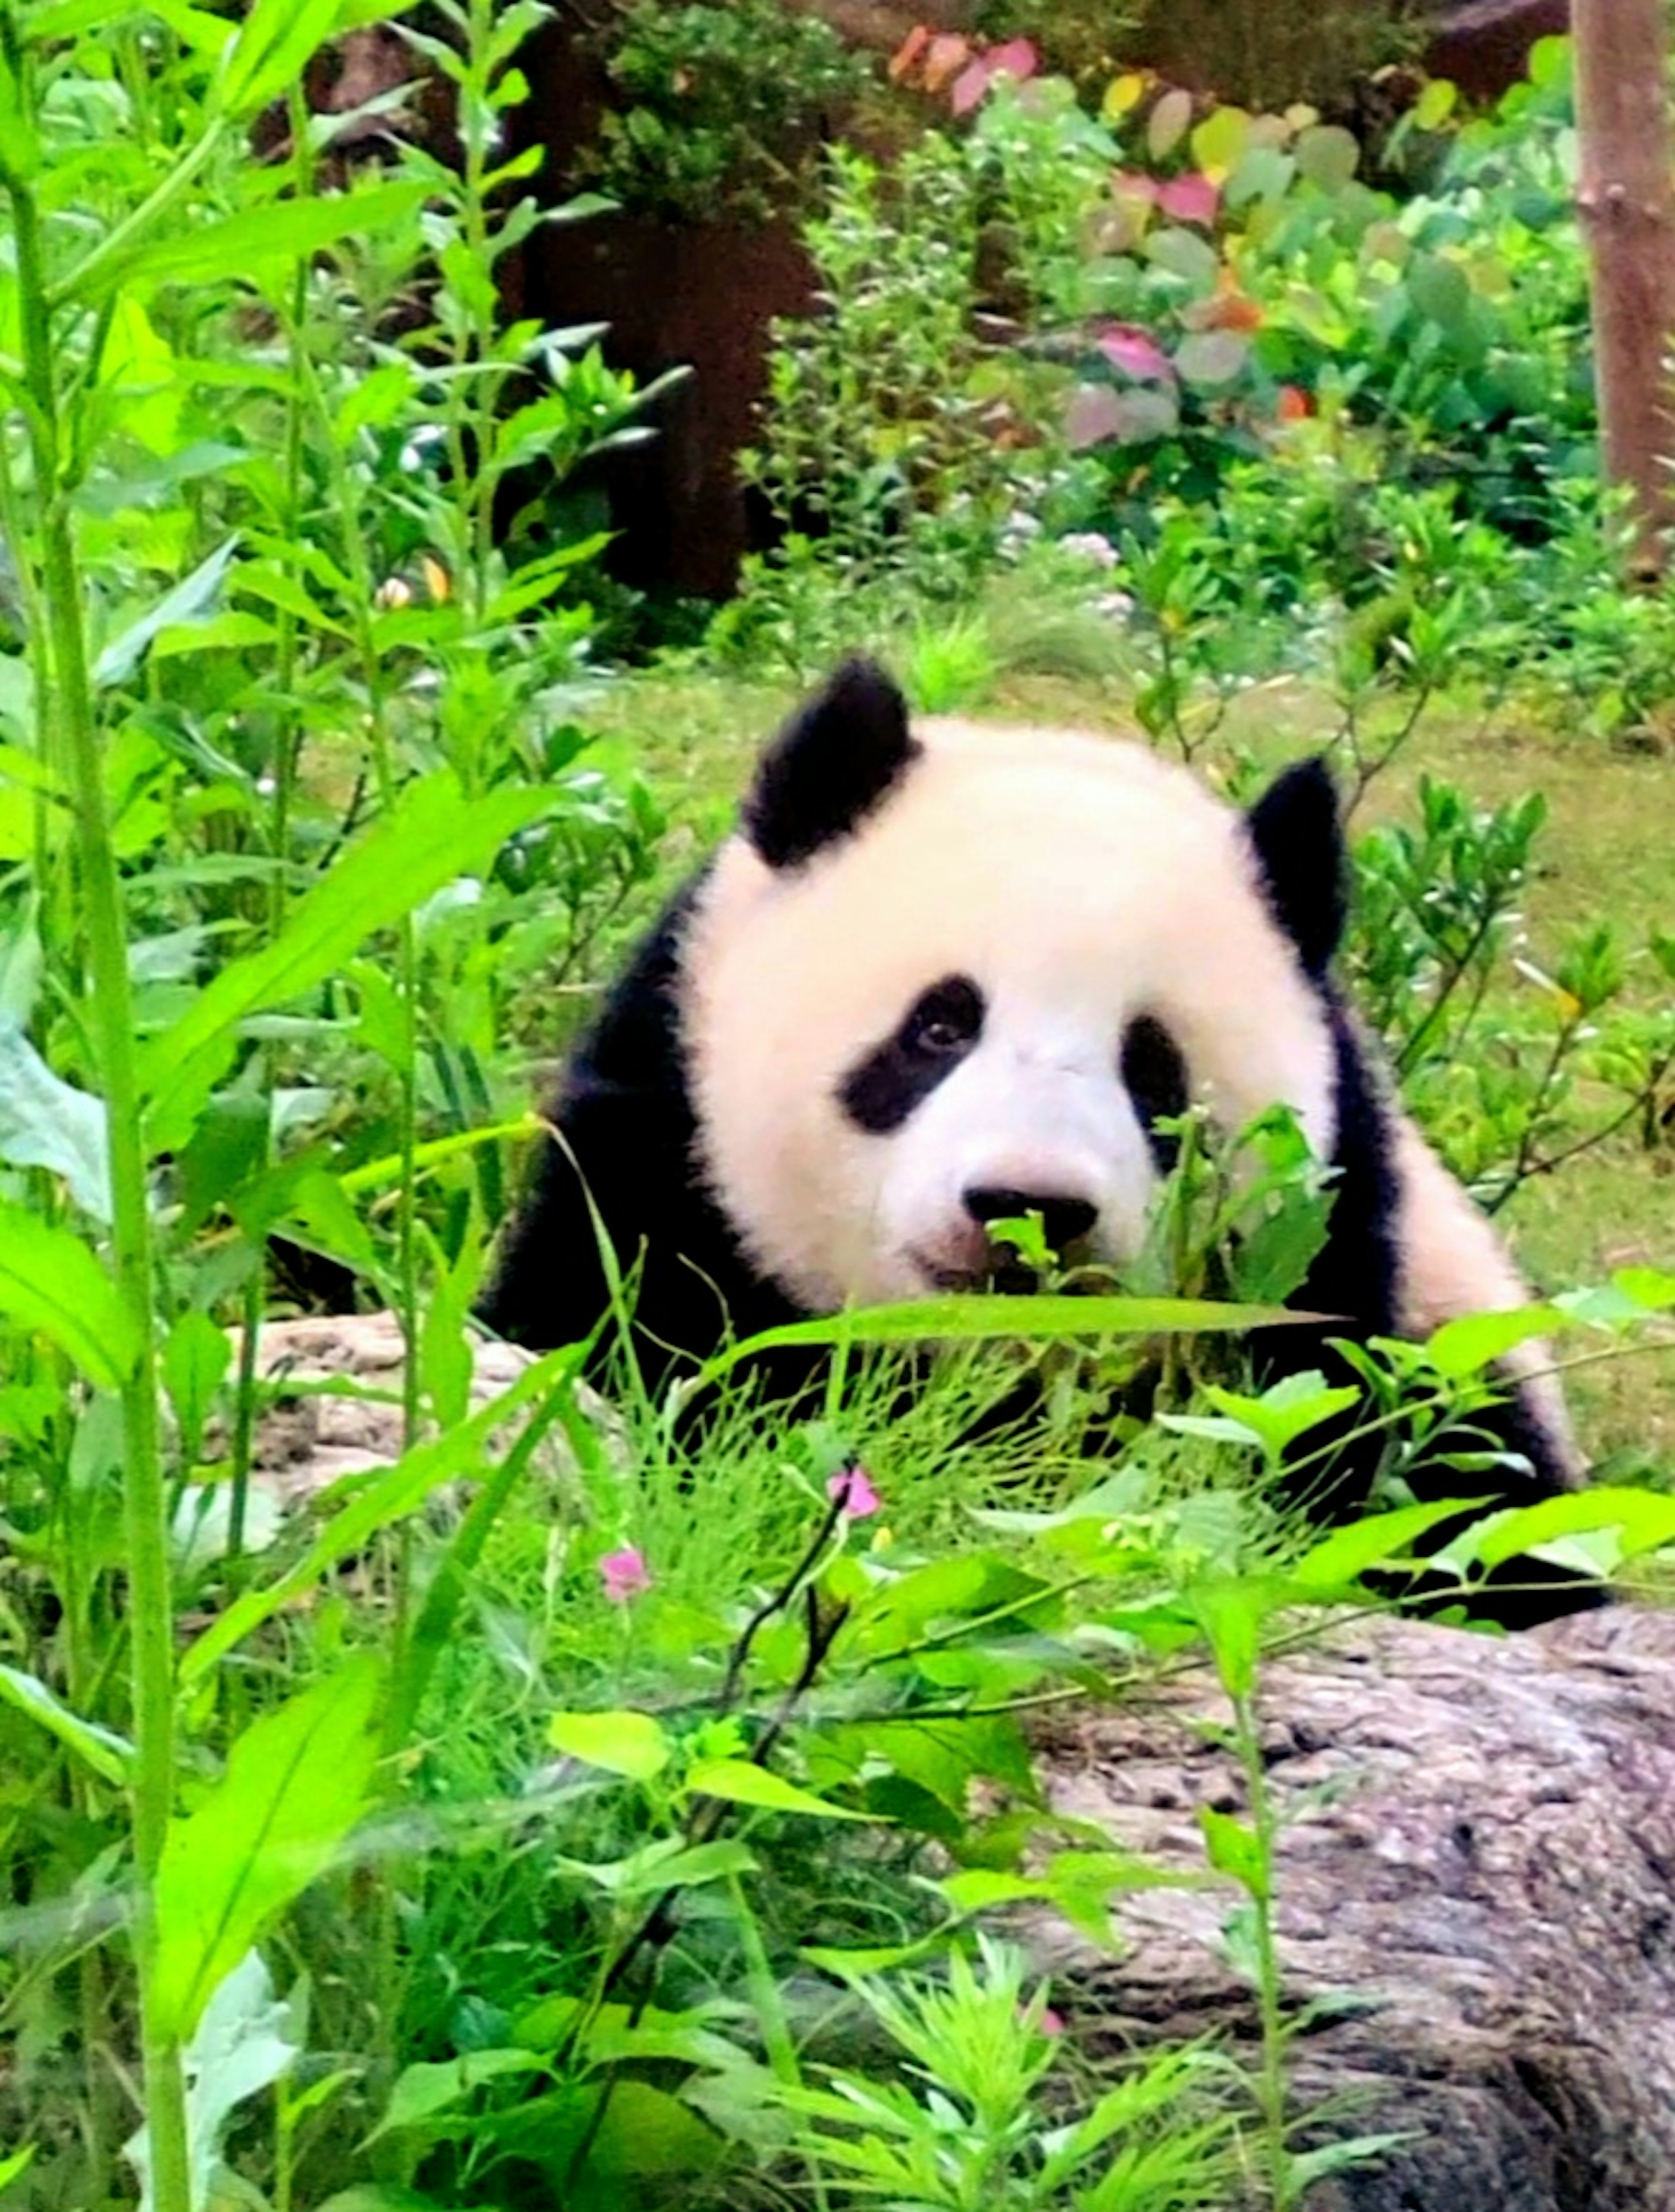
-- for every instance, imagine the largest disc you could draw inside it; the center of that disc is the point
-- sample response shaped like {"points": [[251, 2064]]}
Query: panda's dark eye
{"points": [[1154, 1070], [892, 1080], [947, 1020]]}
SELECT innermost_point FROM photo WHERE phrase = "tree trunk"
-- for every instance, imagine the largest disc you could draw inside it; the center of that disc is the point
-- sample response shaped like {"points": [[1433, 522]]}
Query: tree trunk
{"points": [[1625, 203]]}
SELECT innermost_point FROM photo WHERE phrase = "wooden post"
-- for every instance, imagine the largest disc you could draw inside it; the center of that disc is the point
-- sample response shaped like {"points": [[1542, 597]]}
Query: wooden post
{"points": [[1628, 213]]}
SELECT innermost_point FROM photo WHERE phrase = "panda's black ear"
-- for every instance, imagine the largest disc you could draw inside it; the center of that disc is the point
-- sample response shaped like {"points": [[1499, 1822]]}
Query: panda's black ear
{"points": [[1298, 837], [830, 766]]}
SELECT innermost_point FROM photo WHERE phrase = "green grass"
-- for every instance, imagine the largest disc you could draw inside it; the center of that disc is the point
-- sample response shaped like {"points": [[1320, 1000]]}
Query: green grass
{"points": [[1604, 852]]}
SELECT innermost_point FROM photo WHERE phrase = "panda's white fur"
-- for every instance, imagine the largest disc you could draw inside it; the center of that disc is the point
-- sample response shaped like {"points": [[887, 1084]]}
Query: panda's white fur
{"points": [[1082, 882]]}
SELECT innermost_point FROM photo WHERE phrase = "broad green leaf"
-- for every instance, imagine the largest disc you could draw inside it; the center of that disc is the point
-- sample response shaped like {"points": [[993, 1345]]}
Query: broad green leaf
{"points": [[1646, 1519], [1328, 155], [1435, 103], [189, 599], [1219, 141], [434, 835], [51, 1281], [1231, 1610], [45, 1122], [426, 2092], [622, 1742], [741, 1784], [1280, 1415], [646, 2132], [13, 2168], [1654, 1288], [393, 1495], [1476, 1340], [1347, 1553], [195, 1361], [1234, 1849], [295, 1783], [107, 1753]]}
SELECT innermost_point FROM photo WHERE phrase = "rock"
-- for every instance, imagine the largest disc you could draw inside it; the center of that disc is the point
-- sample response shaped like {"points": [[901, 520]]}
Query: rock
{"points": [[343, 1413], [1480, 1852]]}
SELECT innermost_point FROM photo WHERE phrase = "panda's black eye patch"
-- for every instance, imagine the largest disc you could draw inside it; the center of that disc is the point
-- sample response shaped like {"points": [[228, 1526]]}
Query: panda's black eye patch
{"points": [[1153, 1071], [939, 1030]]}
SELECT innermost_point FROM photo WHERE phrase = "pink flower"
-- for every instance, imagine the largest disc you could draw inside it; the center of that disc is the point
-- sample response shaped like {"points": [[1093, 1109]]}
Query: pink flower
{"points": [[851, 1489], [1050, 2022], [625, 1574]]}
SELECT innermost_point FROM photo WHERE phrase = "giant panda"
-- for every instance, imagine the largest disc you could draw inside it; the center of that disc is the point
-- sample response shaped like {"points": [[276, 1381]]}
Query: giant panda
{"points": [[946, 974]]}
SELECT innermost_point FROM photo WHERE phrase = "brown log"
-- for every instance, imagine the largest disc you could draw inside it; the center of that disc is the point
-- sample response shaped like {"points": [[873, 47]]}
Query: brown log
{"points": [[1480, 1848], [1628, 212]]}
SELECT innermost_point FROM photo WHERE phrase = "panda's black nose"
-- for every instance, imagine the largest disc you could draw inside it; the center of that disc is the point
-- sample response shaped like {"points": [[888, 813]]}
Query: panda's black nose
{"points": [[1062, 1219]]}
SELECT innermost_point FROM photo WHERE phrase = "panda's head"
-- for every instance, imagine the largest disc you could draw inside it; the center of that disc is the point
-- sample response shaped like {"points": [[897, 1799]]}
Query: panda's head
{"points": [[948, 974]]}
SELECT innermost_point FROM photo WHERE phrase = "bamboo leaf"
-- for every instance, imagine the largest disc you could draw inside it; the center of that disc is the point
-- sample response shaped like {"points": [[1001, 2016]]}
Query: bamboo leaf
{"points": [[433, 835], [295, 1783]]}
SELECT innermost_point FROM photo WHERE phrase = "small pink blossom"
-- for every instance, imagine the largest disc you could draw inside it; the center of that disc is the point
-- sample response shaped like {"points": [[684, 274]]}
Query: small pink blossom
{"points": [[1050, 2022], [625, 1574], [851, 1489]]}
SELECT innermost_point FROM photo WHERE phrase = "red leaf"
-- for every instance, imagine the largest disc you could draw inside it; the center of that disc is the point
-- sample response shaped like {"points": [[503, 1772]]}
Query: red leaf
{"points": [[969, 87], [1018, 57], [1190, 199], [1294, 403], [1135, 352]]}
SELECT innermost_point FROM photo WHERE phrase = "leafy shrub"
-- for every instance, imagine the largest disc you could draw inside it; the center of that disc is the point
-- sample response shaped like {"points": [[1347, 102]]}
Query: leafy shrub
{"points": [[720, 106]]}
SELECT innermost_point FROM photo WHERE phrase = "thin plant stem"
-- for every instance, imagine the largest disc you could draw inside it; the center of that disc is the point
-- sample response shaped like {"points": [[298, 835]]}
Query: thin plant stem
{"points": [[1270, 2078], [144, 1496]]}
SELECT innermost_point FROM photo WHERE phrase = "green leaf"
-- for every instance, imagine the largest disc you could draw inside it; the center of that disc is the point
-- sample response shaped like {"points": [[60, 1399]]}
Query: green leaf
{"points": [[1206, 359], [191, 598], [296, 1783], [1646, 1519], [13, 2168], [392, 1496], [1439, 289], [970, 1318], [1234, 1849], [622, 1742], [287, 230], [1328, 155], [195, 1361], [425, 2094], [1475, 1341], [49, 1282], [741, 1784], [646, 2131], [1347, 1553], [434, 835], [1435, 104], [107, 1753], [45, 1122]]}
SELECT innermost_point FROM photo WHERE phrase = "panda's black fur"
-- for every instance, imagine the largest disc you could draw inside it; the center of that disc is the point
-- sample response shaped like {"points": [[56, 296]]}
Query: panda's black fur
{"points": [[628, 1130]]}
